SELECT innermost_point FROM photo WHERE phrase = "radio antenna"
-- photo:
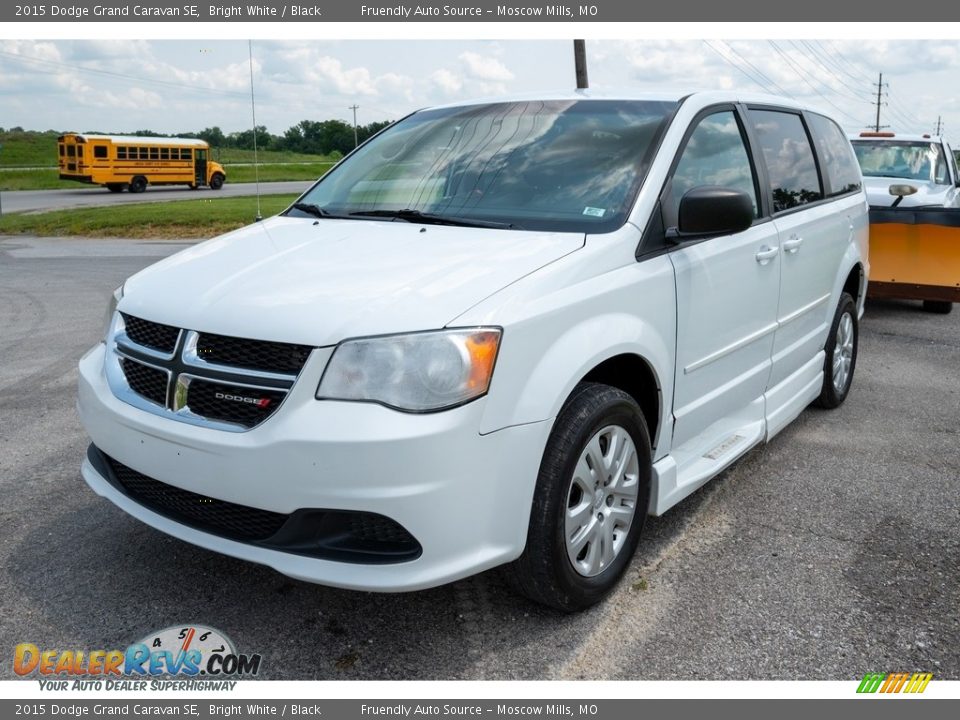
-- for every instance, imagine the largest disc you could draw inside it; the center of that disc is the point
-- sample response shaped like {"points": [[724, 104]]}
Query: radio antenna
{"points": [[253, 115]]}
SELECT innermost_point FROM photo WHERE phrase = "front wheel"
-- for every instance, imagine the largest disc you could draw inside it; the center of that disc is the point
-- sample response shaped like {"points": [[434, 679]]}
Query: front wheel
{"points": [[216, 182], [841, 351], [590, 501]]}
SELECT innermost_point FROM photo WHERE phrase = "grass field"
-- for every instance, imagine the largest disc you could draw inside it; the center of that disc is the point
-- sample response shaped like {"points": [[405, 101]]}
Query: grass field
{"points": [[160, 220], [49, 180]]}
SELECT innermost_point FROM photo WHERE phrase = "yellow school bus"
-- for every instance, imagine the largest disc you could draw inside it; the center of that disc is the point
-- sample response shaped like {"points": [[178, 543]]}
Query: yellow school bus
{"points": [[120, 161]]}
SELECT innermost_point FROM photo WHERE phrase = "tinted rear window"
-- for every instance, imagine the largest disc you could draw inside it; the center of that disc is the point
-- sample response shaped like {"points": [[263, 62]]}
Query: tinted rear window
{"points": [[840, 164], [794, 180]]}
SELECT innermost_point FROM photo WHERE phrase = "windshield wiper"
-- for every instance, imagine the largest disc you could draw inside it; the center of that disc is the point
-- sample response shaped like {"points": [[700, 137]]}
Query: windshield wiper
{"points": [[315, 210], [431, 219]]}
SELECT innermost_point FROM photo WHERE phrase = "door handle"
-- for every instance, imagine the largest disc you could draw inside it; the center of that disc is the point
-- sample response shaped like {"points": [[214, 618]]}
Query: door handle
{"points": [[766, 254], [793, 244]]}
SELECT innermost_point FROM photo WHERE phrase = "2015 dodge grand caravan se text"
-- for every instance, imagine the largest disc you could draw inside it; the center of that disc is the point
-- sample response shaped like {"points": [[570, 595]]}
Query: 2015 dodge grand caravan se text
{"points": [[500, 332]]}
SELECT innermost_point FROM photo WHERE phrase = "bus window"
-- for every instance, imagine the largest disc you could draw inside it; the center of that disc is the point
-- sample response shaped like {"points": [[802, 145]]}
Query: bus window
{"points": [[154, 153], [144, 154], [185, 153], [62, 151], [100, 151], [121, 152], [71, 150], [164, 153]]}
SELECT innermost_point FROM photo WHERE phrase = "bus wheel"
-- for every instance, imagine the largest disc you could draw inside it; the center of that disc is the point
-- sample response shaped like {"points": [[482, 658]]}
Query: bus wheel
{"points": [[138, 184], [115, 187], [216, 182]]}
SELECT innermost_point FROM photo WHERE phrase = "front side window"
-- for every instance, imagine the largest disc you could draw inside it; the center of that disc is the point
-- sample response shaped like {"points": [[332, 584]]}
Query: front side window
{"points": [[794, 180], [571, 165], [920, 160], [100, 151], [840, 164], [715, 154]]}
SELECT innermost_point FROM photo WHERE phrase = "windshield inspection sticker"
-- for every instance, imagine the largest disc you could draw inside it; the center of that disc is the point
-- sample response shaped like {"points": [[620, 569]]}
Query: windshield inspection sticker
{"points": [[594, 212]]}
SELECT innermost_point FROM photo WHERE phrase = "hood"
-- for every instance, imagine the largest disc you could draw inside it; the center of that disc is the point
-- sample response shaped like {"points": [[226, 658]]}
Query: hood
{"points": [[928, 193], [319, 282]]}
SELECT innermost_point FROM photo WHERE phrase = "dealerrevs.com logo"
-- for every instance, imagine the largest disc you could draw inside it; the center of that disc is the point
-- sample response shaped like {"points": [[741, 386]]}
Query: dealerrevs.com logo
{"points": [[181, 657]]}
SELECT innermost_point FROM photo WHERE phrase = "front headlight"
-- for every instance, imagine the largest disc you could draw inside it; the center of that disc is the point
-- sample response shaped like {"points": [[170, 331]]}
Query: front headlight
{"points": [[417, 372], [111, 310]]}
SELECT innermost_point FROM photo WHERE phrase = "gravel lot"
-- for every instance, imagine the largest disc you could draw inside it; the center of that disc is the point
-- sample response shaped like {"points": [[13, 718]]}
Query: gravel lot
{"points": [[831, 552]]}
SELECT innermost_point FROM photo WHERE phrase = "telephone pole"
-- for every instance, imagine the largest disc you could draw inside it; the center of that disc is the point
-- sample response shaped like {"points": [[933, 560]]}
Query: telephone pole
{"points": [[938, 133], [580, 63], [880, 86], [354, 108]]}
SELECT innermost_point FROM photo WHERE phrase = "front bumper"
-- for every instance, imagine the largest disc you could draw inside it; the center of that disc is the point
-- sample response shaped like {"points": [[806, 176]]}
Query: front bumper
{"points": [[463, 496]]}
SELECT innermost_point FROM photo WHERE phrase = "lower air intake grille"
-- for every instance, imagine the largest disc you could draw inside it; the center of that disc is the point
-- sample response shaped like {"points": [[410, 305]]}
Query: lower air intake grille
{"points": [[340, 535], [237, 522]]}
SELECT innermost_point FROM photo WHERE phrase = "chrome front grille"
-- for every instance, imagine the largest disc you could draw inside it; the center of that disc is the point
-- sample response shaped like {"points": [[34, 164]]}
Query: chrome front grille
{"points": [[203, 379]]}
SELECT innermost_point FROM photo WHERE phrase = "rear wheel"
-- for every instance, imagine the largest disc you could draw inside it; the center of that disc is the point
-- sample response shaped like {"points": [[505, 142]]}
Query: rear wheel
{"points": [[115, 187], [941, 307], [590, 501], [216, 182], [841, 350], [138, 184]]}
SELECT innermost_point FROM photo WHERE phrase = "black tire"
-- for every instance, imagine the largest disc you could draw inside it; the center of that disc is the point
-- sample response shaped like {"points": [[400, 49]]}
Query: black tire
{"points": [[138, 184], [941, 307], [115, 187], [830, 395], [216, 182], [544, 572]]}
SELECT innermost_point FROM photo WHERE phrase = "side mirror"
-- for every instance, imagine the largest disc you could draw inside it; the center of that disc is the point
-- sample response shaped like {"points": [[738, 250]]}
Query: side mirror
{"points": [[710, 210], [900, 191]]}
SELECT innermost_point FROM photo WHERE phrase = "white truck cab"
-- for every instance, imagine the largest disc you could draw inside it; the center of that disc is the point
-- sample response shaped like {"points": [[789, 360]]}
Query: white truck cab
{"points": [[907, 171], [499, 332]]}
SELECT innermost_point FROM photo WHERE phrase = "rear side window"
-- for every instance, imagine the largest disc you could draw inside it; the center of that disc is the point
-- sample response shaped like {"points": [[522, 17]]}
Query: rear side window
{"points": [[100, 151], [794, 180], [840, 164]]}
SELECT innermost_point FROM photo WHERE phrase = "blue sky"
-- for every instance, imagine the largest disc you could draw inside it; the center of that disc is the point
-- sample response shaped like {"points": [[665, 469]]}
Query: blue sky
{"points": [[178, 85]]}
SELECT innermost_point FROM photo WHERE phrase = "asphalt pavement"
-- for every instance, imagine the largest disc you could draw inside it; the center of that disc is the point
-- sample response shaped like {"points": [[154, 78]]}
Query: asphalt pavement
{"points": [[831, 552], [34, 200]]}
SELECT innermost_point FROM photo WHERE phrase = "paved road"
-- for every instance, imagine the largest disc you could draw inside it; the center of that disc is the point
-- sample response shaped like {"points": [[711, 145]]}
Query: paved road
{"points": [[831, 552], [25, 200]]}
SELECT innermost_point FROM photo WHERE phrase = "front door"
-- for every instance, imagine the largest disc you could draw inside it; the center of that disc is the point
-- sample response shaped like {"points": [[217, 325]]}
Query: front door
{"points": [[200, 167], [727, 292]]}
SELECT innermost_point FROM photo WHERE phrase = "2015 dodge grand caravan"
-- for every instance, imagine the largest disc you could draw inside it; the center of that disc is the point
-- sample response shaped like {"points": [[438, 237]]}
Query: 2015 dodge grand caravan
{"points": [[500, 332]]}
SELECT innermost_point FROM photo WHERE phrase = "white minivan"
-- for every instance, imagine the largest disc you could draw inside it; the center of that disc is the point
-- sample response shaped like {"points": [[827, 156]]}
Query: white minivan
{"points": [[499, 332]]}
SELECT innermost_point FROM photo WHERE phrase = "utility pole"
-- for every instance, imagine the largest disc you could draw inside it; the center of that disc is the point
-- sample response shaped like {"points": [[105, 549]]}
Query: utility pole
{"points": [[1, 203], [880, 86], [938, 133], [580, 63], [354, 108]]}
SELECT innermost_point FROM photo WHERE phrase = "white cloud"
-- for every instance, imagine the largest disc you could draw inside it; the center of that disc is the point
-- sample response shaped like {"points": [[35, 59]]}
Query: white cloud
{"points": [[450, 83], [486, 68]]}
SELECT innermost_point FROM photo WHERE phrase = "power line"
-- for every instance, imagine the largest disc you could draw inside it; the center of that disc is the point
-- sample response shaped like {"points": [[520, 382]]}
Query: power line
{"points": [[766, 85], [803, 77], [809, 52]]}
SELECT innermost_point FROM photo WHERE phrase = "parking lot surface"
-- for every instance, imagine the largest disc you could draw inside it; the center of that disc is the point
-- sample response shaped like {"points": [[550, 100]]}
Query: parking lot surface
{"points": [[831, 552]]}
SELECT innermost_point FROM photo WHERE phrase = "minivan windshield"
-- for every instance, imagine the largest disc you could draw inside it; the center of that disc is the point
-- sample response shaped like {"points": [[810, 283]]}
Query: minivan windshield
{"points": [[570, 165], [910, 160]]}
